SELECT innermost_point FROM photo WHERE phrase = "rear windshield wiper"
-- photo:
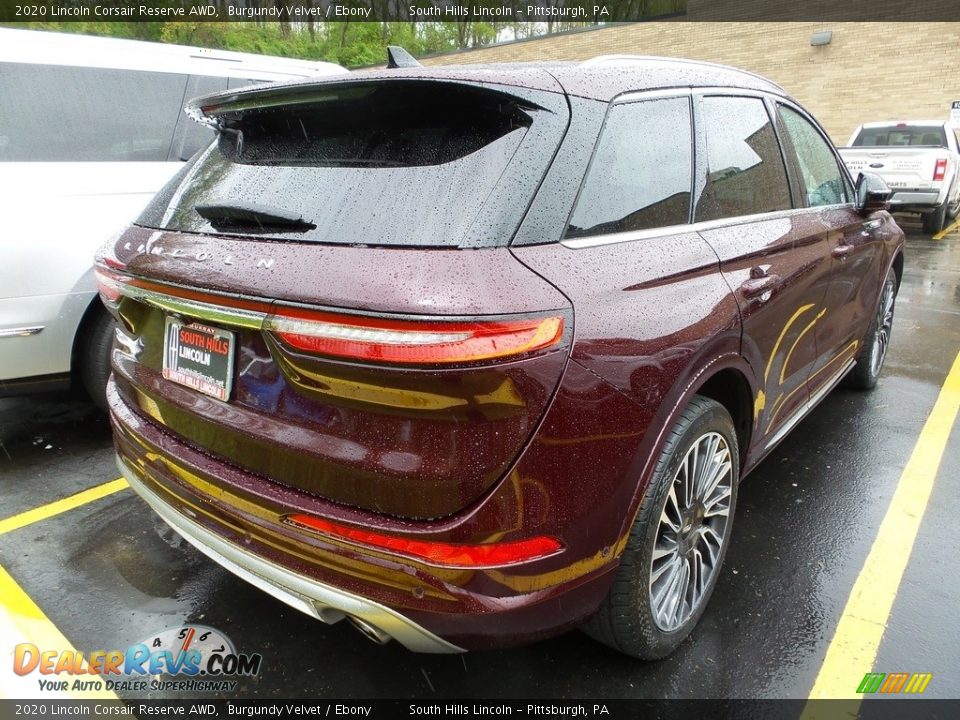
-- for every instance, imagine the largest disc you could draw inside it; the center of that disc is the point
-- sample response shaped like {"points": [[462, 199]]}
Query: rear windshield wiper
{"points": [[252, 216]]}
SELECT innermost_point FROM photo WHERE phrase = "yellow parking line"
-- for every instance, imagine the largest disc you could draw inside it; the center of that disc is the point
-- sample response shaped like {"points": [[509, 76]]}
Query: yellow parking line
{"points": [[60, 506], [947, 230], [21, 621], [853, 649]]}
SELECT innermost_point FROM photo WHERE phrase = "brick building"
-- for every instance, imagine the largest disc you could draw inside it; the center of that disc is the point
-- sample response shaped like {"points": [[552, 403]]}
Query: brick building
{"points": [[868, 71]]}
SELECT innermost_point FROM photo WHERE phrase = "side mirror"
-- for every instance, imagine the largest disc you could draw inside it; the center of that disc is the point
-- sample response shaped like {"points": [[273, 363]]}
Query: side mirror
{"points": [[872, 194]]}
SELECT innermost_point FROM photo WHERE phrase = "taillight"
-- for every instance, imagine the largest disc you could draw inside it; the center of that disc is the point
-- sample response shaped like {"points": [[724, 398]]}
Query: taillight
{"points": [[940, 169], [436, 553], [414, 342], [109, 284], [409, 342]]}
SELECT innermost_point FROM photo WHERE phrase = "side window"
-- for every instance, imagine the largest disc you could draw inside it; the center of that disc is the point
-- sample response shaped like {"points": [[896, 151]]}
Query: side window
{"points": [[62, 113], [641, 171], [745, 173], [818, 166]]}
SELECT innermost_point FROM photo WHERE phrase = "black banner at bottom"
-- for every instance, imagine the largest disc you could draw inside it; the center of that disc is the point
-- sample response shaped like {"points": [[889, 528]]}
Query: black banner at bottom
{"points": [[874, 708]]}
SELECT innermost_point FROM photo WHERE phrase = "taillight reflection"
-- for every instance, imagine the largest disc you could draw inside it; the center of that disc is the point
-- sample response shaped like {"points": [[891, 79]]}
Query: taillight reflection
{"points": [[109, 284]]}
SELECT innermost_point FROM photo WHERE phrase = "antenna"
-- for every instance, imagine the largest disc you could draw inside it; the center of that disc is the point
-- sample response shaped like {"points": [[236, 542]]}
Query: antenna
{"points": [[397, 57]]}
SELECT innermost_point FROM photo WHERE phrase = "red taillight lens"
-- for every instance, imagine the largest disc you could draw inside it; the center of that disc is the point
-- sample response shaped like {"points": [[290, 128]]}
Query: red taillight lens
{"points": [[436, 553], [940, 169], [109, 284], [412, 342]]}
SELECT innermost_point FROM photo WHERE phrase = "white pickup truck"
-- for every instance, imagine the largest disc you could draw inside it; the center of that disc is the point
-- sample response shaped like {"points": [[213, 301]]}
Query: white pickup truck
{"points": [[919, 161]]}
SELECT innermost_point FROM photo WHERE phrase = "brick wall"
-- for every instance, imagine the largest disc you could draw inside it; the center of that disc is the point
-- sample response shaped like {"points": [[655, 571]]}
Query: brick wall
{"points": [[870, 71]]}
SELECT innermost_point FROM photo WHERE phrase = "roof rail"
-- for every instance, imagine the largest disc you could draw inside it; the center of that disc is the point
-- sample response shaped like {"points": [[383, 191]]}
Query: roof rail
{"points": [[601, 60], [397, 57]]}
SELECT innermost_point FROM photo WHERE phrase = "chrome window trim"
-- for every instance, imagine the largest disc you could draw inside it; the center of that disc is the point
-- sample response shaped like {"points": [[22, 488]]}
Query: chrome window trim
{"points": [[617, 238]]}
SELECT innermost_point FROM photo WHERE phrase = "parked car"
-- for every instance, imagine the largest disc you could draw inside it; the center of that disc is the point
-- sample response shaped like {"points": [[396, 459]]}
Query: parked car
{"points": [[919, 161], [474, 355], [90, 129]]}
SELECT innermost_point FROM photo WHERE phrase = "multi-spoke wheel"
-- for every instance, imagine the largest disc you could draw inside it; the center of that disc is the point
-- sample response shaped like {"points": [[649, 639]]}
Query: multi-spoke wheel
{"points": [[691, 532], [679, 538], [874, 350]]}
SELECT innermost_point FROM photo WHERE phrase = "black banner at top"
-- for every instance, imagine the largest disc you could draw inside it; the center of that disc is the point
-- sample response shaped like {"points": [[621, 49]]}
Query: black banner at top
{"points": [[499, 11]]}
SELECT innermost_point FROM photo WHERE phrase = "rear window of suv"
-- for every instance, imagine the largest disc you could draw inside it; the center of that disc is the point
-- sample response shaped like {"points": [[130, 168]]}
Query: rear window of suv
{"points": [[378, 163], [931, 136]]}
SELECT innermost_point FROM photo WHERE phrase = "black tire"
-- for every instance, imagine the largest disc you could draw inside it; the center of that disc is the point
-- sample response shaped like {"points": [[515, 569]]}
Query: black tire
{"points": [[627, 619], [93, 358], [935, 220], [870, 359]]}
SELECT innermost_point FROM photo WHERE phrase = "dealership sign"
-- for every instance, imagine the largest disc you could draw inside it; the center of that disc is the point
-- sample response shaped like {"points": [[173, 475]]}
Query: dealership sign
{"points": [[955, 113]]}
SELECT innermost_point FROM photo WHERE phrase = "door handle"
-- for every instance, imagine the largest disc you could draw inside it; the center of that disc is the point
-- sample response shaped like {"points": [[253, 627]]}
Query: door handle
{"points": [[759, 286], [841, 251]]}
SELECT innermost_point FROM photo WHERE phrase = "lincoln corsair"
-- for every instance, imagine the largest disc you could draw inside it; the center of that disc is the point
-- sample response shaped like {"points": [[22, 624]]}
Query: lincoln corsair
{"points": [[470, 356]]}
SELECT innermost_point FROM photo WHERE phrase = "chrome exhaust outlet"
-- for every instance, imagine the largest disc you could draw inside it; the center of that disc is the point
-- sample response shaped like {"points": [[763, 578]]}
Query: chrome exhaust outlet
{"points": [[371, 632]]}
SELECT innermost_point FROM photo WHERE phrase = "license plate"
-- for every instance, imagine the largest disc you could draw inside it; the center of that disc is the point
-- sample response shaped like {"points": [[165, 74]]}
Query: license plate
{"points": [[199, 356]]}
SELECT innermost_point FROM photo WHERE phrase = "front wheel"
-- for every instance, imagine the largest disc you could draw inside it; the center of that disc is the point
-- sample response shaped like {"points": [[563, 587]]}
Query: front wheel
{"points": [[866, 372], [679, 539]]}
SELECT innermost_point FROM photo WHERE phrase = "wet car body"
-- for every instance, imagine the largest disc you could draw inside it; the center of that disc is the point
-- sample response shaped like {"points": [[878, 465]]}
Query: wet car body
{"points": [[479, 500]]}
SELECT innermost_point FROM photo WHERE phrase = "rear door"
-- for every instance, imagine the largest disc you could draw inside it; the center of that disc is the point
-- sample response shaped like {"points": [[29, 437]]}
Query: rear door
{"points": [[772, 256]]}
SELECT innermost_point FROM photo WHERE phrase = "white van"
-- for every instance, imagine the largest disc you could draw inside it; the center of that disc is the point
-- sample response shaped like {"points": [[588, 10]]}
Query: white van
{"points": [[90, 129]]}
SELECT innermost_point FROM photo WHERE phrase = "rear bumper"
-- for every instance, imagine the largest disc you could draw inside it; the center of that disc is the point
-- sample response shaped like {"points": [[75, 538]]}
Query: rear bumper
{"points": [[914, 200], [325, 603], [236, 518]]}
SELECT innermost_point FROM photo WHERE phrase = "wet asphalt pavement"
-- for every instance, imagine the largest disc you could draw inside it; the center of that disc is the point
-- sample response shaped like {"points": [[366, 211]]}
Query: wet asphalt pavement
{"points": [[107, 575]]}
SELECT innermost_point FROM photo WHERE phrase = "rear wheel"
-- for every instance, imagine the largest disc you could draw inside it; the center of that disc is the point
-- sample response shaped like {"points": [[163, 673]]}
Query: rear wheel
{"points": [[679, 539], [94, 356], [866, 372], [934, 221]]}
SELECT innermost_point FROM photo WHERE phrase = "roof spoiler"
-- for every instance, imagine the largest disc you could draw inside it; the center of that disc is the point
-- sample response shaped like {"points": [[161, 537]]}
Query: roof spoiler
{"points": [[397, 57]]}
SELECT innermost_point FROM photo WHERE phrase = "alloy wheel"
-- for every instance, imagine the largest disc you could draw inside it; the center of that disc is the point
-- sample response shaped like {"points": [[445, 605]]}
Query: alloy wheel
{"points": [[691, 532], [881, 338]]}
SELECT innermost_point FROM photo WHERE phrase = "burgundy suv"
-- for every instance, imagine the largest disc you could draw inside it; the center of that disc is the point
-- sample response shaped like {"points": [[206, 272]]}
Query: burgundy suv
{"points": [[473, 355]]}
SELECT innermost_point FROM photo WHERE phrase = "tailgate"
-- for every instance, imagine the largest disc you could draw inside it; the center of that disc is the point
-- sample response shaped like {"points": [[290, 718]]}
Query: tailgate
{"points": [[327, 298], [899, 167]]}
